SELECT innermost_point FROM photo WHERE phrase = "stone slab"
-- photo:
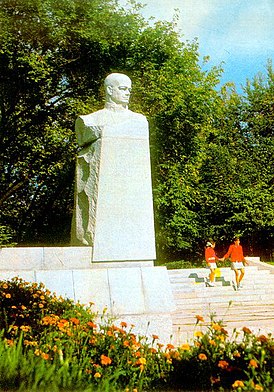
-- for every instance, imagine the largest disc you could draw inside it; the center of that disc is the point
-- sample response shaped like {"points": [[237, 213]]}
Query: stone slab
{"points": [[124, 228], [92, 286], [58, 281], [126, 291], [21, 258], [50, 258], [157, 290], [70, 257], [122, 264], [28, 276]]}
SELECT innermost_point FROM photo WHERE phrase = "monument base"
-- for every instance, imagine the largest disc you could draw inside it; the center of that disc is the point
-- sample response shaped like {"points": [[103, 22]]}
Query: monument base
{"points": [[135, 292]]}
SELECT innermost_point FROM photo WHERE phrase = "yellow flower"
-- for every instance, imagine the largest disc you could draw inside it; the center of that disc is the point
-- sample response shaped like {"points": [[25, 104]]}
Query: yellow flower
{"points": [[5, 286], [8, 296], [185, 347], [25, 328], [238, 384], [216, 327], [198, 334], [97, 375], [202, 357]]}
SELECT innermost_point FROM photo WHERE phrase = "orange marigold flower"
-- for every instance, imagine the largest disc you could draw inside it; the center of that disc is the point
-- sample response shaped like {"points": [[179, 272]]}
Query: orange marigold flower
{"points": [[97, 375], [126, 343], [246, 330], [8, 296], [170, 346], [91, 324], [5, 286], [105, 360], [185, 347], [223, 364], [236, 354], [23, 307], [75, 321], [62, 323], [123, 324], [238, 384], [262, 339], [41, 305], [153, 350], [45, 356], [9, 342], [214, 380], [212, 342], [202, 357], [199, 318], [258, 387], [253, 363], [155, 337], [92, 340]]}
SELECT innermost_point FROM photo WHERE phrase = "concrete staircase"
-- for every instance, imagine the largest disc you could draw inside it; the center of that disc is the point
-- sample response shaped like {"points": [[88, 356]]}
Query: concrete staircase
{"points": [[251, 307]]}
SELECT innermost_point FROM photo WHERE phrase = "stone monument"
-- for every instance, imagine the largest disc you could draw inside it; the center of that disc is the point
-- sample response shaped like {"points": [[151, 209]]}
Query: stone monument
{"points": [[113, 211], [111, 262]]}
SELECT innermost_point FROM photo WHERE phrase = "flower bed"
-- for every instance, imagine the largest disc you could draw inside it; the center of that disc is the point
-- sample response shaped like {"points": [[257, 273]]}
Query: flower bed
{"points": [[51, 343]]}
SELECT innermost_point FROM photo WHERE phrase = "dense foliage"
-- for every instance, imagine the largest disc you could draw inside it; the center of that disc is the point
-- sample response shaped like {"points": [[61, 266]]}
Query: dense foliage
{"points": [[212, 151], [48, 343]]}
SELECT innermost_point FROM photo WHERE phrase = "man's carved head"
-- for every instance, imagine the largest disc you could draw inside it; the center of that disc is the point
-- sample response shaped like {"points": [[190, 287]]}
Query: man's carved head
{"points": [[118, 88]]}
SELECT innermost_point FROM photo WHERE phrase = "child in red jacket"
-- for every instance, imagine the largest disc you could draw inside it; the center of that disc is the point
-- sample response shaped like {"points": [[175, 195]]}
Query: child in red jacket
{"points": [[210, 257], [235, 253]]}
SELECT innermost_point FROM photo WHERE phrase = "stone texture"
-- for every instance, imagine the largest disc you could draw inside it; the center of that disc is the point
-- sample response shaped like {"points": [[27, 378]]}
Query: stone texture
{"points": [[21, 258], [58, 281], [92, 286]]}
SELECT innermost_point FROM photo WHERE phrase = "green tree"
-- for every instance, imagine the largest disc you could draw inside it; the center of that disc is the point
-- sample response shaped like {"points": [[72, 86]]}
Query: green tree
{"points": [[53, 57]]}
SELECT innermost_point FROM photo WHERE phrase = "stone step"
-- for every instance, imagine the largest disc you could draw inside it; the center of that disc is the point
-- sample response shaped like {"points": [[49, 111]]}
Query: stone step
{"points": [[251, 306]]}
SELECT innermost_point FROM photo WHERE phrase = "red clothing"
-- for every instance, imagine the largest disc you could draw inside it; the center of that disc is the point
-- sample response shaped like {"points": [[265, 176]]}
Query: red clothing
{"points": [[235, 252], [210, 255]]}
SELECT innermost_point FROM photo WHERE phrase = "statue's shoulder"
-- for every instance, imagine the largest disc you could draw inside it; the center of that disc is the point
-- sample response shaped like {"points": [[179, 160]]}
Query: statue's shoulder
{"points": [[138, 116], [92, 118]]}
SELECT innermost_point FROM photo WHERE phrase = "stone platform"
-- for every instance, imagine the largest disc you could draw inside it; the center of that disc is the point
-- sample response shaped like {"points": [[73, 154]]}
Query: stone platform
{"points": [[132, 291]]}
